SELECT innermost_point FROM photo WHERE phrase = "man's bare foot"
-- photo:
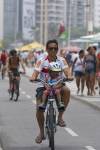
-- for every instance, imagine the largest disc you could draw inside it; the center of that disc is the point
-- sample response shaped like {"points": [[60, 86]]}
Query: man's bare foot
{"points": [[39, 139]]}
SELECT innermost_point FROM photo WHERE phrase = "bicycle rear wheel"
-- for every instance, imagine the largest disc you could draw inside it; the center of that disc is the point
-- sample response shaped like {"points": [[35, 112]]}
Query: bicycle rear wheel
{"points": [[11, 94], [16, 91]]}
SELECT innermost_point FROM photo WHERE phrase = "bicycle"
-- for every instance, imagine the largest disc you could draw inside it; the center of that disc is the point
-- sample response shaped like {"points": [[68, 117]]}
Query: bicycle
{"points": [[14, 86], [50, 121]]}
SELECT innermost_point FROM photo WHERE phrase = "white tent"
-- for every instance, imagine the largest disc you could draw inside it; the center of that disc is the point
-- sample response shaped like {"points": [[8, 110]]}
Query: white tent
{"points": [[92, 38], [81, 41]]}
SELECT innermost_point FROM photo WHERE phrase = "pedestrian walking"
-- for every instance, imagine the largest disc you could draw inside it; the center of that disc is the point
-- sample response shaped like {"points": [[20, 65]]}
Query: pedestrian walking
{"points": [[98, 71], [90, 70], [79, 70]]}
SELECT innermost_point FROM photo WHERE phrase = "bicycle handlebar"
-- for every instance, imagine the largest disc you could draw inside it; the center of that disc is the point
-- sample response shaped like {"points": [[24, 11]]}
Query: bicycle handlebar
{"points": [[61, 80]]}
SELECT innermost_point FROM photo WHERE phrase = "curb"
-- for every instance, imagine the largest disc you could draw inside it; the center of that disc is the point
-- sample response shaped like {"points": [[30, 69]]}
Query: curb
{"points": [[86, 102]]}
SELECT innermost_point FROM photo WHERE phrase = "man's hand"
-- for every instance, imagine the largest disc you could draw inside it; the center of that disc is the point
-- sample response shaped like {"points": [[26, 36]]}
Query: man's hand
{"points": [[31, 79], [70, 78]]}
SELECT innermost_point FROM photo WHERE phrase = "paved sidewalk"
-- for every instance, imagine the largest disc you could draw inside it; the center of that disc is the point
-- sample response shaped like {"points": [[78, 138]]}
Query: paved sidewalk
{"points": [[93, 101]]}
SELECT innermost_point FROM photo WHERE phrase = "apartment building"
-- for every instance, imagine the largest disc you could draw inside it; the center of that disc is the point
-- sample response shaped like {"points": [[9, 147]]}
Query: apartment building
{"points": [[96, 13], [17, 17], [1, 20], [75, 13], [28, 19], [10, 18], [48, 14]]}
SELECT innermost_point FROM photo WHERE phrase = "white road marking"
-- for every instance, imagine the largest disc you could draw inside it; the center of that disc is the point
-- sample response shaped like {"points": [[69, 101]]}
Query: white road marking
{"points": [[1, 148], [28, 96], [23, 92], [94, 100], [90, 148], [71, 132]]}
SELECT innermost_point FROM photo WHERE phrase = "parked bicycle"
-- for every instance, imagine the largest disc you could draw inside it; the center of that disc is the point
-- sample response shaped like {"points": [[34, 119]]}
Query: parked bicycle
{"points": [[51, 111]]}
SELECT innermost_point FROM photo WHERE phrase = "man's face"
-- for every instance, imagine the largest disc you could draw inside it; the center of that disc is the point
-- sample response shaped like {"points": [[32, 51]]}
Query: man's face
{"points": [[52, 49], [82, 54]]}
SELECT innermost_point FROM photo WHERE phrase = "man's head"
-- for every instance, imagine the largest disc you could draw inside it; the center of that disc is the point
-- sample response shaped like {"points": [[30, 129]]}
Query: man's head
{"points": [[52, 47], [90, 49], [81, 53], [13, 52], [94, 50]]}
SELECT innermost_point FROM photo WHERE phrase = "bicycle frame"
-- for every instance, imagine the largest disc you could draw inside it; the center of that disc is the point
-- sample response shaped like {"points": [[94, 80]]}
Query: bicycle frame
{"points": [[50, 123]]}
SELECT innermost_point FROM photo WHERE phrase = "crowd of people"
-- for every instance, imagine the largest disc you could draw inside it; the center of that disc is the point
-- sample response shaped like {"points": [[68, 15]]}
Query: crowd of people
{"points": [[85, 67]]}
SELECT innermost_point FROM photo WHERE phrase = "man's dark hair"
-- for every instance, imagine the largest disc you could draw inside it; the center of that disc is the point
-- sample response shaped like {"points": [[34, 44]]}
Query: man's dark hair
{"points": [[95, 48], [51, 41], [88, 49], [81, 51], [13, 52]]}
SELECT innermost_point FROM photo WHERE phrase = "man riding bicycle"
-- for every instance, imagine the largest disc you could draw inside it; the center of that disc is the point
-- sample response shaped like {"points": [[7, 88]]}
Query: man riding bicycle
{"points": [[41, 68], [13, 64]]}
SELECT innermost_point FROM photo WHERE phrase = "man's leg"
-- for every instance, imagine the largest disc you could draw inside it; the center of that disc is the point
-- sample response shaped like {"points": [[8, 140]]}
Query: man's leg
{"points": [[82, 83], [65, 99], [40, 120]]}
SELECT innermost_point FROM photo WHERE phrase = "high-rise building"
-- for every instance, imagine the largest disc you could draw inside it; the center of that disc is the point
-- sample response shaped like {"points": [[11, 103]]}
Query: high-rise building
{"points": [[96, 13], [1, 20], [28, 19], [55, 10], [17, 17], [75, 13], [10, 18], [49, 13]]}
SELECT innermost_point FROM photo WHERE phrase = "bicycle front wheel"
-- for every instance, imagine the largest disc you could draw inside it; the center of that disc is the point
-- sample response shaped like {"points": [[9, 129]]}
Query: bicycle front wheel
{"points": [[51, 128]]}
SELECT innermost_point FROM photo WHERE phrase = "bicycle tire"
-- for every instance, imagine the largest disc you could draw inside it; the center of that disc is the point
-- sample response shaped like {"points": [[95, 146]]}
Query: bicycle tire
{"points": [[11, 93], [51, 128], [16, 91]]}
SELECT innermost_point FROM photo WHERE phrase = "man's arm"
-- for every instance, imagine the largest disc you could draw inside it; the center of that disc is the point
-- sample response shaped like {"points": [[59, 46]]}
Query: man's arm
{"points": [[7, 64], [22, 64], [34, 75], [36, 72]]}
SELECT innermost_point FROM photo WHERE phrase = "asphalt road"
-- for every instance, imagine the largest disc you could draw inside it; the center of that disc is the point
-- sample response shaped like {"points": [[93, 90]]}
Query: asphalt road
{"points": [[18, 127]]}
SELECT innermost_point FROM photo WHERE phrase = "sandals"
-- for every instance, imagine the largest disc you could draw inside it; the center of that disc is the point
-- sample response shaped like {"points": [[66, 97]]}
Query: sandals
{"points": [[61, 123]]}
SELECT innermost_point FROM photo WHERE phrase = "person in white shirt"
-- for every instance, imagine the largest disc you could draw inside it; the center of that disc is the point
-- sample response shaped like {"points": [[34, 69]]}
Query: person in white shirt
{"points": [[79, 70]]}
